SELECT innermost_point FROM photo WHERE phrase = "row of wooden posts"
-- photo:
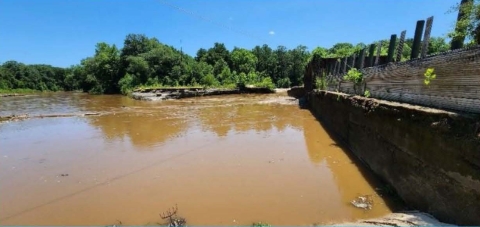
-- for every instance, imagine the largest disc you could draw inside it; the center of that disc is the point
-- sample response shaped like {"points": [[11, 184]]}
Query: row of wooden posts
{"points": [[357, 60]]}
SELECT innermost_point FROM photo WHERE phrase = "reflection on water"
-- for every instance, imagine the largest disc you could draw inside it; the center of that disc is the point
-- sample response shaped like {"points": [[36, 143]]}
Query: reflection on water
{"points": [[229, 160]]}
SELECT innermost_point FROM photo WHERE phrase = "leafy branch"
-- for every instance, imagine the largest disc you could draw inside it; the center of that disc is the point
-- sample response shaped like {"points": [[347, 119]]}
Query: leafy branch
{"points": [[429, 76]]}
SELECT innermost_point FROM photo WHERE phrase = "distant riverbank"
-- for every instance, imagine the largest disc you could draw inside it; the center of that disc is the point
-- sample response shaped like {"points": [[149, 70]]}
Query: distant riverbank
{"points": [[16, 92]]}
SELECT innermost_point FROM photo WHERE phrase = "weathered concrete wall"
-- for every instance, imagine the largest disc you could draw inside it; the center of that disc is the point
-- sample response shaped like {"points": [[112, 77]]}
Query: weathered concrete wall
{"points": [[430, 157]]}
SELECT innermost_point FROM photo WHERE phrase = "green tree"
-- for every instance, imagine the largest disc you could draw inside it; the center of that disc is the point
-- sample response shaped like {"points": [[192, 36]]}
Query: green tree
{"points": [[266, 60], [340, 50], [216, 53], [243, 60], [299, 58], [102, 69], [283, 65]]}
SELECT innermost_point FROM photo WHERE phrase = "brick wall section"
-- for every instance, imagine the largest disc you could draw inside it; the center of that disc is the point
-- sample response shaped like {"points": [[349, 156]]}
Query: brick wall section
{"points": [[457, 86]]}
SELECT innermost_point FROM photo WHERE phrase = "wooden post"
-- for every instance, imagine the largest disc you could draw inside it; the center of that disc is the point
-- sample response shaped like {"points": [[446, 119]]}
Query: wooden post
{"points": [[379, 51], [340, 66], [457, 41], [400, 46], [417, 39], [362, 58], [426, 36], [371, 53], [354, 61], [344, 69], [349, 63], [391, 47], [336, 67]]}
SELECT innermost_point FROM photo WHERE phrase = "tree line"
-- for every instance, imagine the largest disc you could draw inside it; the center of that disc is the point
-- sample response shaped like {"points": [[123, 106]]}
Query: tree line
{"points": [[144, 61]]}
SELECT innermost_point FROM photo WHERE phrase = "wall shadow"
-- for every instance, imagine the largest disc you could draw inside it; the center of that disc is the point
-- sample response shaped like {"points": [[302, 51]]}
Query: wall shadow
{"points": [[391, 198]]}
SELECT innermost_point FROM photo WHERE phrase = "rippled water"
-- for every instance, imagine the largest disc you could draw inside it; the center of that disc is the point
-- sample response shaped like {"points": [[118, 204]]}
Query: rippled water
{"points": [[226, 160]]}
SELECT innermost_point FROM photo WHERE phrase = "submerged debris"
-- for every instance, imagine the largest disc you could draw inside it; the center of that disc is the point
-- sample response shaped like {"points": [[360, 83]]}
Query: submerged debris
{"points": [[260, 224], [363, 202], [173, 219]]}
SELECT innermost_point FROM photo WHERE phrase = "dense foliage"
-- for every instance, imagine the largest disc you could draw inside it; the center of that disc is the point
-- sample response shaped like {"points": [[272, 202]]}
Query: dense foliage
{"points": [[14, 75], [144, 61]]}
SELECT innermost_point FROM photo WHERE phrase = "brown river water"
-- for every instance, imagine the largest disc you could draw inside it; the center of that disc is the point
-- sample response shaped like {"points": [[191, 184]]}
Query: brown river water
{"points": [[224, 160]]}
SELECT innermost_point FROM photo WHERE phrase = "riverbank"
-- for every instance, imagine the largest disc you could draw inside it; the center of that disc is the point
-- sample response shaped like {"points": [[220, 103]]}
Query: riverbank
{"points": [[157, 94], [16, 92]]}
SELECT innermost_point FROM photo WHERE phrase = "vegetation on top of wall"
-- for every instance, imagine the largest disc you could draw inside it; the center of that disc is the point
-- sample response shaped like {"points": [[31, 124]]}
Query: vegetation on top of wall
{"points": [[429, 76], [322, 82], [341, 50], [354, 75], [366, 93]]}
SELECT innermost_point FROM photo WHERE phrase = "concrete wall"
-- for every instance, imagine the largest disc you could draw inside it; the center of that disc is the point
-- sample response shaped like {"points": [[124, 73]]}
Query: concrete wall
{"points": [[430, 157]]}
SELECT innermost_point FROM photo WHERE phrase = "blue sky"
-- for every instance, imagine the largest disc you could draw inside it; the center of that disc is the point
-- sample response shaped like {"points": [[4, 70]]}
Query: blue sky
{"points": [[62, 32]]}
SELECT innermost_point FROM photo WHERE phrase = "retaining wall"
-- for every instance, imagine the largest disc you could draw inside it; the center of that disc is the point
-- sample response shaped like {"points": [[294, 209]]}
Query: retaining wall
{"points": [[430, 157]]}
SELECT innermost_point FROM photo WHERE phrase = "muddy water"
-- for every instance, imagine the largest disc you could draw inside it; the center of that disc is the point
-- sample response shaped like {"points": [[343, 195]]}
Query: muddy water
{"points": [[229, 160]]}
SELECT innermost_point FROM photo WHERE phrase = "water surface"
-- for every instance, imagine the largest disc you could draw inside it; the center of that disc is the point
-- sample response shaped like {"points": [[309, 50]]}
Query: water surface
{"points": [[229, 160]]}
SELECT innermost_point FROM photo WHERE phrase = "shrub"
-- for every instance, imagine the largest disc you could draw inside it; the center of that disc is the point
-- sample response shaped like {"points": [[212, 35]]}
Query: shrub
{"points": [[126, 84], [266, 82], [284, 83], [429, 76], [354, 76]]}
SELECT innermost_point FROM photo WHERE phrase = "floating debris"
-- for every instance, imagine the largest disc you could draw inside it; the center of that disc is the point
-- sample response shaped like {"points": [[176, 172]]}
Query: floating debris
{"points": [[363, 202]]}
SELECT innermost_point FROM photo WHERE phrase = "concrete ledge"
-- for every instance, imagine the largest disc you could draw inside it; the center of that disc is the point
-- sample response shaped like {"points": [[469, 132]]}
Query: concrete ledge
{"points": [[296, 92]]}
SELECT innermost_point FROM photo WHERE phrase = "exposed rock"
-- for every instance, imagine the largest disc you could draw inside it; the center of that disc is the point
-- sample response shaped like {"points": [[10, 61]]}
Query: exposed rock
{"points": [[179, 93]]}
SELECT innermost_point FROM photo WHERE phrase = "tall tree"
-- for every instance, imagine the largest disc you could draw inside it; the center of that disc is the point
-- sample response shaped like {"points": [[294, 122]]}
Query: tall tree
{"points": [[243, 61], [102, 69], [216, 53], [299, 57]]}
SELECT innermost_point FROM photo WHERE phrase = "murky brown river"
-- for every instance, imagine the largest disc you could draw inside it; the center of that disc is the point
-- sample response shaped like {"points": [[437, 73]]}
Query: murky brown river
{"points": [[229, 160]]}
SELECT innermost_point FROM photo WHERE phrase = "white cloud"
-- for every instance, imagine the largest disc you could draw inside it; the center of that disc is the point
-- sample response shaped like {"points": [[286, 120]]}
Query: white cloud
{"points": [[271, 32]]}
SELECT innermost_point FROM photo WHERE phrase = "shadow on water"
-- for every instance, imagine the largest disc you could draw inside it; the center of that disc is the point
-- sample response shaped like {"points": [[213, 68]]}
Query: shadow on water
{"points": [[391, 198]]}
